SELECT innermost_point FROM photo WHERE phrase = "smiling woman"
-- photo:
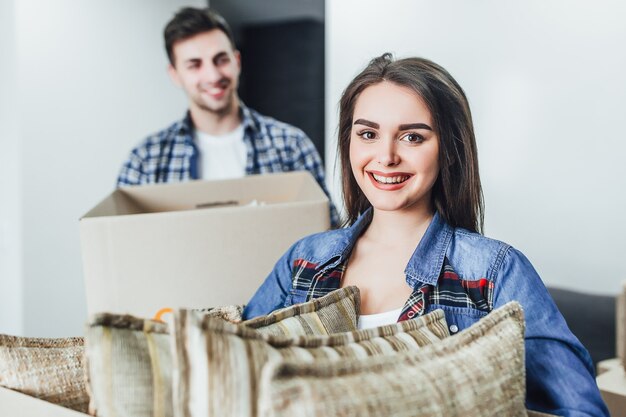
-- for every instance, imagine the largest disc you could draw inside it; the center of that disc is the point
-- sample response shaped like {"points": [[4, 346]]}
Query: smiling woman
{"points": [[389, 153], [412, 242]]}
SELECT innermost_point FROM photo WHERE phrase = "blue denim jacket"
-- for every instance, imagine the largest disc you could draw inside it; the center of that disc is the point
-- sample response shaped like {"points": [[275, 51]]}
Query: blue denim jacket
{"points": [[559, 371]]}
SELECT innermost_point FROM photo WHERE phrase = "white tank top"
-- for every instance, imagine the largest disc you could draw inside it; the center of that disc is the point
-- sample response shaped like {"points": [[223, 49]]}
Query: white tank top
{"points": [[222, 156], [368, 321]]}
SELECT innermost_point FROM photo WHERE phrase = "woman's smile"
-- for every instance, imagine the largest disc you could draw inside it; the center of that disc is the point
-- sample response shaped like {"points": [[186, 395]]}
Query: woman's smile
{"points": [[389, 181]]}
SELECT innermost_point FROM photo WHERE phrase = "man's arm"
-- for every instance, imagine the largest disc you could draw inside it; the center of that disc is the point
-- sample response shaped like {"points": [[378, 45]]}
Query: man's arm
{"points": [[132, 170]]}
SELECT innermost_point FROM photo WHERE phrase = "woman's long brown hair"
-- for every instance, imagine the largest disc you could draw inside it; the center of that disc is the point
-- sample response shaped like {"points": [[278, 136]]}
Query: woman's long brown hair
{"points": [[457, 193]]}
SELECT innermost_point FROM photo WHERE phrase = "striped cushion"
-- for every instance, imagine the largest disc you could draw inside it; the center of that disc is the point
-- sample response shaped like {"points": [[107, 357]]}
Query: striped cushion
{"points": [[129, 359], [219, 363], [49, 369], [479, 372], [334, 313], [130, 364]]}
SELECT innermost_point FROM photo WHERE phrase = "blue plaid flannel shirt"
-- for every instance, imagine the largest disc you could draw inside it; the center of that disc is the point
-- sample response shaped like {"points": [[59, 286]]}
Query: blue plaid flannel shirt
{"points": [[171, 155]]}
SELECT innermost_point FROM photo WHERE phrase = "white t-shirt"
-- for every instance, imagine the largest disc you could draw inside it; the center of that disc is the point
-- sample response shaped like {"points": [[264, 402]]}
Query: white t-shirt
{"points": [[223, 156], [368, 321]]}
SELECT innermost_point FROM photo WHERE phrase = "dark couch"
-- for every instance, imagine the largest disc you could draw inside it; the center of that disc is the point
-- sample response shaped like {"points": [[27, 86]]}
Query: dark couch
{"points": [[591, 318]]}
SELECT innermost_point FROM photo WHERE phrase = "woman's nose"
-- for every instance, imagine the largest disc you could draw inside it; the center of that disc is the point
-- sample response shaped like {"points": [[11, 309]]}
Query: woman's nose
{"points": [[387, 154]]}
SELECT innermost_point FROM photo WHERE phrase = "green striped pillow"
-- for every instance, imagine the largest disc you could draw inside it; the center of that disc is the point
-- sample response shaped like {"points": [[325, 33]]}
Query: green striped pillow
{"points": [[219, 363], [479, 372]]}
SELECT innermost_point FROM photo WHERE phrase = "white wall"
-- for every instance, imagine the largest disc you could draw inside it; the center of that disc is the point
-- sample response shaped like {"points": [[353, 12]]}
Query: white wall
{"points": [[10, 246], [92, 83], [544, 79]]}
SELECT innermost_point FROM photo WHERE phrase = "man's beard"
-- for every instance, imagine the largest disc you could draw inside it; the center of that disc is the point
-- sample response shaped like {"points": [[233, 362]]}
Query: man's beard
{"points": [[221, 110]]}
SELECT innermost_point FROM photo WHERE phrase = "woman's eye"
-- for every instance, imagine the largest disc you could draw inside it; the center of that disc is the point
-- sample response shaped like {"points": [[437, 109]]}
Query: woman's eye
{"points": [[367, 135], [413, 138]]}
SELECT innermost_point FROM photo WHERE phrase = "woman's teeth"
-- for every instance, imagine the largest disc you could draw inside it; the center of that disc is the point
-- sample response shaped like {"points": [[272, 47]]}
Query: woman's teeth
{"points": [[390, 180]]}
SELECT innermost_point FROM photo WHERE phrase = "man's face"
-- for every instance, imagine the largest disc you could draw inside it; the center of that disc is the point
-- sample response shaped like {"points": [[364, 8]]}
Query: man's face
{"points": [[207, 68]]}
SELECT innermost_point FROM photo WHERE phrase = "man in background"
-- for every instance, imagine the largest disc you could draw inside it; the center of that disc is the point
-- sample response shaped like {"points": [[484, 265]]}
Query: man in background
{"points": [[219, 137]]}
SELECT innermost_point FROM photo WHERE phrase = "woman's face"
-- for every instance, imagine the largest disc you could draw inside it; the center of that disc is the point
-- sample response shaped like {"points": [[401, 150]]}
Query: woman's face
{"points": [[393, 148]]}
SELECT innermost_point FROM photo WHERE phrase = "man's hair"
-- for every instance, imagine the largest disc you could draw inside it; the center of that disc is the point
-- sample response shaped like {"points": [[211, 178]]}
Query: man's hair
{"points": [[189, 22], [457, 193]]}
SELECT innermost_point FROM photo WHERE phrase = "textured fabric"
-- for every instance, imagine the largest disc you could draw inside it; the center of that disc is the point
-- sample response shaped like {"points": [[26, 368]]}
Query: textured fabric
{"points": [[171, 155], [232, 313], [130, 363], [129, 366], [482, 274], [479, 372], [334, 313], [220, 363], [49, 369]]}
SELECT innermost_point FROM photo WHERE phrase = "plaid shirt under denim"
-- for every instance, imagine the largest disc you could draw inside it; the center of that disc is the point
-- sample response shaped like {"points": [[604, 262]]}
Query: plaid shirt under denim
{"points": [[171, 155]]}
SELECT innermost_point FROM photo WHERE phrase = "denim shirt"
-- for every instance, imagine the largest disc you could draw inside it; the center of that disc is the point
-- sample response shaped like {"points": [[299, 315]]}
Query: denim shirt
{"points": [[466, 275]]}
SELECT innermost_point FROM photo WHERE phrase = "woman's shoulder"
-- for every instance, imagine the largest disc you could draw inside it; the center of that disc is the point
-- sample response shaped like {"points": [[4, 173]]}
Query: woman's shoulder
{"points": [[471, 251], [477, 242], [320, 247]]}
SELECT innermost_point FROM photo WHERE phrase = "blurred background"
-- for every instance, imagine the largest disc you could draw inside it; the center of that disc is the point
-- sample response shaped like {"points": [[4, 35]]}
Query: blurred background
{"points": [[81, 83]]}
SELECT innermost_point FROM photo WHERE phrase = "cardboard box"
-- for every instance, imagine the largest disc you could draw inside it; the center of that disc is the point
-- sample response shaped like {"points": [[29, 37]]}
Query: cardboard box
{"points": [[612, 386], [196, 244]]}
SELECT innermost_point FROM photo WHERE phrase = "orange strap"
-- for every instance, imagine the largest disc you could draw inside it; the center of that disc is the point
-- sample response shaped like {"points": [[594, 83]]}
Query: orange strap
{"points": [[160, 313]]}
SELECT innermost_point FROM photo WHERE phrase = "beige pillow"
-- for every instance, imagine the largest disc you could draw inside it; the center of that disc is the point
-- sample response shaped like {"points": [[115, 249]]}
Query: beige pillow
{"points": [[49, 369], [232, 313], [479, 372], [130, 362], [334, 313], [130, 365], [219, 363]]}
